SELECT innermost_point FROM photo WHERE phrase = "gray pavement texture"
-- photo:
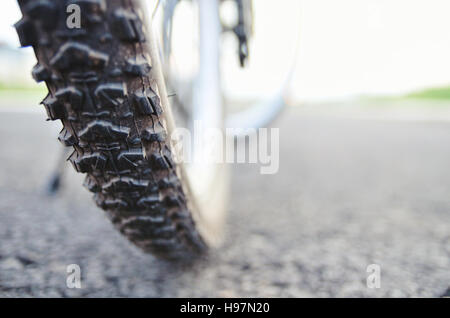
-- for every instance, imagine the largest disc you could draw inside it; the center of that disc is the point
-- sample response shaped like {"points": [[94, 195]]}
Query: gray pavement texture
{"points": [[349, 193]]}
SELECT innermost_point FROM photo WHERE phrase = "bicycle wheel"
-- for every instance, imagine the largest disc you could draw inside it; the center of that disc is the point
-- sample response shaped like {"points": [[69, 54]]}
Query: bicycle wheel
{"points": [[105, 85]]}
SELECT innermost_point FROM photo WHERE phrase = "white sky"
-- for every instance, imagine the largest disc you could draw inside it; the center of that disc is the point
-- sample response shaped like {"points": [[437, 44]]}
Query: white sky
{"points": [[351, 47], [9, 14], [347, 47]]}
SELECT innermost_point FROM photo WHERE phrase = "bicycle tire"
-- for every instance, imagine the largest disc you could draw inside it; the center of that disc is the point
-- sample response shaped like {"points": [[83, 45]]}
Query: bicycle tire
{"points": [[102, 87]]}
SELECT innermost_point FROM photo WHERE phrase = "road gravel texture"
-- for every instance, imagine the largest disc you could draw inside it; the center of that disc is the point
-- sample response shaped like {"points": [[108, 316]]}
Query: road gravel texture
{"points": [[349, 193]]}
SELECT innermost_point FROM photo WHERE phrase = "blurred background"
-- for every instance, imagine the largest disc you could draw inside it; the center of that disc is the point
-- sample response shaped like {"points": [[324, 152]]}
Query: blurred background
{"points": [[347, 49], [364, 167]]}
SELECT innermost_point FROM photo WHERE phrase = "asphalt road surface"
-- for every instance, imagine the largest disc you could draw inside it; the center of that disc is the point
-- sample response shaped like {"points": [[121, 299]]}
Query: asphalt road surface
{"points": [[349, 193]]}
